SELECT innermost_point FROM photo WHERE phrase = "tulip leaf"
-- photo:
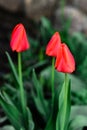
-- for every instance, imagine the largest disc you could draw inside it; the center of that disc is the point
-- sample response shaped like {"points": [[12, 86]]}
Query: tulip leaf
{"points": [[64, 107], [77, 85], [6, 97], [21, 129], [10, 88], [12, 67], [51, 124], [38, 97], [78, 110], [78, 122], [11, 111], [2, 119], [30, 120], [7, 127]]}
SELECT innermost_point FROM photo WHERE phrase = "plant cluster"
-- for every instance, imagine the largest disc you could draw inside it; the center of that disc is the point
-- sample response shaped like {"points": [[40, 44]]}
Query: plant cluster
{"points": [[44, 101]]}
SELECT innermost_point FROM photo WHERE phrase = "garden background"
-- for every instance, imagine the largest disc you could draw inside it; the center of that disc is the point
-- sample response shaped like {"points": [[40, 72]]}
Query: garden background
{"points": [[41, 19]]}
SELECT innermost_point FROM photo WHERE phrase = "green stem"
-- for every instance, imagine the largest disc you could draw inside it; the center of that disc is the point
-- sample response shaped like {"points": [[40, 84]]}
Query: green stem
{"points": [[66, 78], [53, 60], [23, 105], [22, 94], [64, 106], [66, 87]]}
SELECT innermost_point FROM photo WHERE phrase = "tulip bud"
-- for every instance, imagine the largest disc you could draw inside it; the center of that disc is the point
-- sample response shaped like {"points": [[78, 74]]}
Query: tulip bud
{"points": [[19, 41]]}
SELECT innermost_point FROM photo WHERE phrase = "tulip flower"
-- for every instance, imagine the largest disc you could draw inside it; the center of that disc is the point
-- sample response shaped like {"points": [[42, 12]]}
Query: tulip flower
{"points": [[53, 45], [65, 61], [51, 50], [19, 41]]}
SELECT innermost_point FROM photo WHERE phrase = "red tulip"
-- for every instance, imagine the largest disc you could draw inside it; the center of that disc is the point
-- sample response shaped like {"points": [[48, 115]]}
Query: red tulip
{"points": [[65, 61], [53, 45], [19, 41]]}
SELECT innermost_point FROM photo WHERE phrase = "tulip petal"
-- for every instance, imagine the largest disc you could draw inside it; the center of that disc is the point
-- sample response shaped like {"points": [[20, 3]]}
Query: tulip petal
{"points": [[65, 61], [19, 40], [53, 45]]}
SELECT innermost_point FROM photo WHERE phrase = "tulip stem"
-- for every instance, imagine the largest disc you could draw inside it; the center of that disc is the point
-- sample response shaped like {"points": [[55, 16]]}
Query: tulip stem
{"points": [[53, 60], [22, 94], [66, 76], [66, 105]]}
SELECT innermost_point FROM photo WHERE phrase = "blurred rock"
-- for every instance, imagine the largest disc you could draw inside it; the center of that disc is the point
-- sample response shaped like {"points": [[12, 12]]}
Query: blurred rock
{"points": [[69, 2], [76, 19], [81, 4], [36, 8], [10, 5], [32, 8]]}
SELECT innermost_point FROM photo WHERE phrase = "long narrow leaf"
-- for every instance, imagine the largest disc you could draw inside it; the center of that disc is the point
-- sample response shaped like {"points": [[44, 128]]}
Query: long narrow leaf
{"points": [[78, 122], [12, 67], [7, 127], [12, 113], [37, 86], [64, 108], [6, 97], [39, 99], [51, 124], [30, 120]]}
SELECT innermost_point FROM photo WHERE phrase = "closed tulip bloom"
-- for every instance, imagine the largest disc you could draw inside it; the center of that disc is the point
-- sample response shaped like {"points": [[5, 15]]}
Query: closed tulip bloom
{"points": [[65, 61], [53, 45], [19, 41]]}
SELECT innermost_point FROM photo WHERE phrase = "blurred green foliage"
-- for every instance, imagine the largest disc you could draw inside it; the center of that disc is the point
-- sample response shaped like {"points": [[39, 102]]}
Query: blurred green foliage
{"points": [[35, 58]]}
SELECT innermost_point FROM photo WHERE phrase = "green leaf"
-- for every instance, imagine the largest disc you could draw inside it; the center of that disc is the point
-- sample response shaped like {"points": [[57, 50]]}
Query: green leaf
{"points": [[37, 86], [22, 129], [78, 122], [2, 119], [64, 107], [8, 127], [6, 97], [76, 85], [30, 120], [51, 124], [12, 67], [9, 87], [38, 97], [11, 111], [76, 112]]}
